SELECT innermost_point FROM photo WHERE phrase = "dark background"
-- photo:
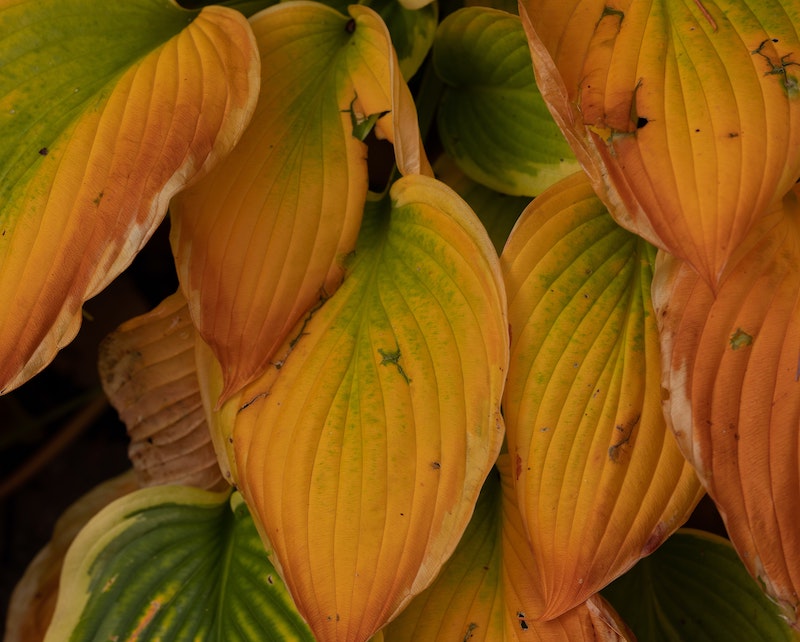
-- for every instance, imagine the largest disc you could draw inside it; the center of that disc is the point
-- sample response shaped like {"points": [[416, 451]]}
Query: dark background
{"points": [[58, 438]]}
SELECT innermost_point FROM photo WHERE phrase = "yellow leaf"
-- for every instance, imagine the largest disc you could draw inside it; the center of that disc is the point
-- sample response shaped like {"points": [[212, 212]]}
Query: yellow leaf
{"points": [[263, 238], [362, 452], [686, 114], [600, 479], [731, 371], [83, 189], [487, 590]]}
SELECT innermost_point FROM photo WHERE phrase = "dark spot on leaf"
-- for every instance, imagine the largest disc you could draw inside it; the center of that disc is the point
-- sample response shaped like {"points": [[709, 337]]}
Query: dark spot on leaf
{"points": [[149, 440], [270, 580], [522, 623], [350, 27], [44, 151], [733, 135], [641, 122]]}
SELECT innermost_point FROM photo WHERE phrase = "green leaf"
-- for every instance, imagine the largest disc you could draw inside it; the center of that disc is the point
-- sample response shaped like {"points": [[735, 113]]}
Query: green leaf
{"points": [[173, 563], [695, 588], [498, 212], [412, 31], [492, 119]]}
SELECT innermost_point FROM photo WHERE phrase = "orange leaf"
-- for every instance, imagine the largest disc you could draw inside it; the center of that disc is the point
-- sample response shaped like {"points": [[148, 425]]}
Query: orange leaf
{"points": [[362, 452], [731, 371], [102, 149], [686, 114], [264, 237]]}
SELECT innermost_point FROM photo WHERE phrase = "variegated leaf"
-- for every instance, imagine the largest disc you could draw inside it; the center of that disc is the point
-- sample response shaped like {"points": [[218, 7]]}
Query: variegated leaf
{"points": [[106, 111], [600, 479], [265, 235], [363, 450]]}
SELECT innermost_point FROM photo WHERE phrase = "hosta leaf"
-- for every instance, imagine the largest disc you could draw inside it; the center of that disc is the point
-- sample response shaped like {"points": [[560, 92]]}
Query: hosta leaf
{"points": [[686, 114], [600, 479], [492, 119], [148, 371], [106, 110], [412, 32], [695, 588], [362, 452], [487, 588], [172, 563], [261, 239], [498, 212], [731, 376], [33, 601]]}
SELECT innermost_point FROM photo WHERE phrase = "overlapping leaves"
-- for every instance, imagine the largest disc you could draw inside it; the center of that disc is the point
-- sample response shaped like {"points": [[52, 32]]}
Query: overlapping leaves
{"points": [[731, 373], [600, 479], [363, 450], [487, 590], [492, 119], [148, 371], [91, 154], [686, 114], [172, 563], [695, 588], [263, 237]]}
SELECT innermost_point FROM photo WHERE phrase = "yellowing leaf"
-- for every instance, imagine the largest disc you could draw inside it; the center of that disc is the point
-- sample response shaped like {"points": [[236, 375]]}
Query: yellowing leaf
{"points": [[147, 367], [686, 114], [487, 589], [362, 452], [106, 111], [600, 479], [264, 237], [731, 369]]}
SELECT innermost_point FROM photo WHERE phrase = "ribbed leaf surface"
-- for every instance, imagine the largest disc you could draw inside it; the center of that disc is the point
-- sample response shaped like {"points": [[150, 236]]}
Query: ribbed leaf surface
{"points": [[173, 563], [106, 110], [148, 371], [492, 118], [264, 236], [363, 451], [731, 374], [695, 588], [600, 479], [685, 113], [487, 589]]}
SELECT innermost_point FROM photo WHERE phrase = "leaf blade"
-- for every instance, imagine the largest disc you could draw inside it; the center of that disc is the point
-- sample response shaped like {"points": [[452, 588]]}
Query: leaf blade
{"points": [[84, 189]]}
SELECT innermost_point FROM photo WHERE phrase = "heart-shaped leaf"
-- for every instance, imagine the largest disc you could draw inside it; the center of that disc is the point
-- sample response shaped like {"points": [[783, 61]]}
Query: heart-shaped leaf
{"points": [[731, 377], [363, 450], [600, 480], [695, 588], [686, 114], [106, 111], [148, 370], [172, 563], [265, 235], [492, 119]]}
